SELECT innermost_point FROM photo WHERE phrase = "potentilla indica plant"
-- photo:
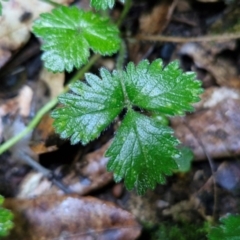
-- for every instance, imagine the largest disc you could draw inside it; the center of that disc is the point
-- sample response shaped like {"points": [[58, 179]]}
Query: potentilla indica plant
{"points": [[144, 151]]}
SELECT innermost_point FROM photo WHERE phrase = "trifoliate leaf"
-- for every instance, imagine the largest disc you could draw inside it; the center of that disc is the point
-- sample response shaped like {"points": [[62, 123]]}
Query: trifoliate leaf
{"points": [[91, 109], [167, 90], [69, 33], [142, 152], [228, 230], [6, 217]]}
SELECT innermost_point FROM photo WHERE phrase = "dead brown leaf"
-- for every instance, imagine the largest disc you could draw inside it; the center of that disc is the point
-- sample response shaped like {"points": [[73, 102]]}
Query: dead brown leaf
{"points": [[70, 217], [206, 56], [214, 95], [54, 81], [20, 104], [217, 128], [93, 170], [156, 21], [85, 176], [41, 134], [151, 23]]}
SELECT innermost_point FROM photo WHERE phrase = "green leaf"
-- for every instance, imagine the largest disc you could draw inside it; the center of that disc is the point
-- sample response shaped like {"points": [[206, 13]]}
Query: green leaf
{"points": [[69, 33], [184, 161], [142, 152], [167, 90], [90, 109], [6, 217], [228, 230], [103, 4], [161, 118]]}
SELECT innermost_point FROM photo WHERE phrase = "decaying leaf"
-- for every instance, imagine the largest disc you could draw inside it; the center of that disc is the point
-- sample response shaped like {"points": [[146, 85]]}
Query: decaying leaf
{"points": [[70, 217], [153, 22], [54, 81], [93, 172], [85, 176], [207, 56], [42, 138], [218, 129], [214, 95], [20, 103]]}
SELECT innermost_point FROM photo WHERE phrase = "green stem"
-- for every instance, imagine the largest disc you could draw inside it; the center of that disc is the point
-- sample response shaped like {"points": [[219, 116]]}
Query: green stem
{"points": [[122, 54], [46, 108], [125, 11], [119, 66]]}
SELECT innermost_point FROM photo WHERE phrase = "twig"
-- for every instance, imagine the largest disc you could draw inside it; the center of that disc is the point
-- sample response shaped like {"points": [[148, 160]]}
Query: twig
{"points": [[185, 21], [46, 173], [161, 38]]}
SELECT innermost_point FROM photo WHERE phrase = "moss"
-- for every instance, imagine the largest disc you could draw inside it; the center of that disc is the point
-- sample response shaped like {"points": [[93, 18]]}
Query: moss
{"points": [[183, 231]]}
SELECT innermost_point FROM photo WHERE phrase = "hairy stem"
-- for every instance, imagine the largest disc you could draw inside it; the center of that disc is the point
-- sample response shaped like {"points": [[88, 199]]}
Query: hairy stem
{"points": [[46, 108], [119, 65], [122, 54]]}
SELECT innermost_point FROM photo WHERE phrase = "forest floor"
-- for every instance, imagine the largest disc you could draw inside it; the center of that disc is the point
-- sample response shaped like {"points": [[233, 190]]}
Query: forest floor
{"points": [[73, 196]]}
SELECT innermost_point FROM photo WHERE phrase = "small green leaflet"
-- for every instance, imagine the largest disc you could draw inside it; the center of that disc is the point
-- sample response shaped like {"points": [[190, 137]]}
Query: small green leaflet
{"points": [[91, 109], [103, 4], [228, 230], [6, 217], [69, 33], [143, 151], [166, 90]]}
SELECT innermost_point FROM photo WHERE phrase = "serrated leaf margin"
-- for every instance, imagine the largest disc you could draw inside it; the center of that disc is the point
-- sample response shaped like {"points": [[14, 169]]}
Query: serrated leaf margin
{"points": [[85, 30], [132, 137]]}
